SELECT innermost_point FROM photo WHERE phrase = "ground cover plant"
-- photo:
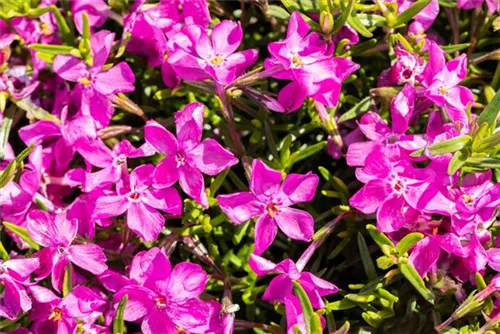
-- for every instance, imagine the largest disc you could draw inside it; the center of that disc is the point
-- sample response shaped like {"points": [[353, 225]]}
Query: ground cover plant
{"points": [[294, 166]]}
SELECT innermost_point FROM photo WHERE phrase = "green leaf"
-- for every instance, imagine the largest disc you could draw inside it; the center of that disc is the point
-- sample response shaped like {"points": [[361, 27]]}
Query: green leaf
{"points": [[407, 242], [491, 112], [64, 29], [22, 233], [450, 145], [418, 283], [361, 108], [291, 5], [118, 323], [408, 14], [457, 161], [52, 49], [339, 305], [5, 131], [357, 25], [240, 232], [361, 298], [218, 181], [455, 47], [370, 20], [278, 12], [4, 255], [86, 26], [67, 280], [35, 111], [306, 153], [380, 238], [342, 19], [360, 48], [487, 163], [311, 319], [366, 258], [8, 173], [489, 143], [479, 136]]}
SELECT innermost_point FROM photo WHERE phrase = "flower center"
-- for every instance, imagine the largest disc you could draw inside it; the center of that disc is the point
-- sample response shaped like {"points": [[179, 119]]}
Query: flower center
{"points": [[165, 56], [84, 81], [407, 74], [134, 196], [397, 186], [56, 314], [120, 160], [61, 249], [45, 28], [161, 302], [217, 60], [443, 90], [296, 61], [272, 209], [392, 138], [468, 199], [180, 158]]}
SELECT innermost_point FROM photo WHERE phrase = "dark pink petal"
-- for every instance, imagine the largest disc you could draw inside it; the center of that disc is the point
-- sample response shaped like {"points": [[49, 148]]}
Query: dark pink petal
{"points": [[145, 221], [240, 207], [189, 122], [187, 280], [89, 257], [226, 37], [39, 131], [141, 177], [424, 255], [291, 97], [494, 258], [187, 66], [82, 302], [369, 198], [358, 152], [110, 206], [260, 265], [265, 181], [191, 314], [296, 224], [297, 188], [70, 68], [60, 264], [265, 232], [402, 107], [43, 295], [95, 151], [166, 199], [113, 281], [21, 269], [170, 78], [160, 138], [192, 183], [158, 322], [150, 267], [210, 157], [297, 29], [46, 257], [323, 287], [372, 126], [118, 79], [98, 106], [14, 299], [166, 173], [278, 289], [436, 62], [140, 302], [44, 230], [101, 43], [455, 71], [391, 214]]}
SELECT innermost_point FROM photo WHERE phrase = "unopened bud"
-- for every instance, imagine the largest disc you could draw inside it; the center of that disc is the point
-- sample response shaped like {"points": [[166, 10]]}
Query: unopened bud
{"points": [[326, 22]]}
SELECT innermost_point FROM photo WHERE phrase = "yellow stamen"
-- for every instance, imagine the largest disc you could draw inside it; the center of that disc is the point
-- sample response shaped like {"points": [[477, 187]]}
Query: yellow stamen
{"points": [[56, 315], [443, 90], [216, 61], [297, 61], [467, 199], [84, 81], [45, 29], [272, 209]]}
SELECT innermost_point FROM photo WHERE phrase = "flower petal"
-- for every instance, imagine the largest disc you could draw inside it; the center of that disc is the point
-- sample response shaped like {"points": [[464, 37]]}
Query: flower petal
{"points": [[89, 257], [70, 68], [166, 173], [297, 188], [145, 221], [296, 224], [265, 232], [160, 138], [265, 181], [240, 207], [118, 79], [192, 183], [226, 37], [210, 157], [187, 281]]}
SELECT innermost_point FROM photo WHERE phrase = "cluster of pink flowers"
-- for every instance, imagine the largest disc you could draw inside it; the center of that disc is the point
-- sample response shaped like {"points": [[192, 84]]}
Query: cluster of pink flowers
{"points": [[75, 184]]}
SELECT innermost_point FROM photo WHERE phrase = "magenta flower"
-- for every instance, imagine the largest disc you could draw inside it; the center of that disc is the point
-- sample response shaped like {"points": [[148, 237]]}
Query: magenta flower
{"points": [[281, 286], [476, 201], [165, 299], [141, 202], [51, 314], [407, 68], [270, 200], [424, 19], [307, 59], [97, 13], [295, 316], [441, 81], [113, 162], [57, 234], [95, 85], [394, 143], [493, 5], [187, 157], [213, 56], [13, 274], [425, 254]]}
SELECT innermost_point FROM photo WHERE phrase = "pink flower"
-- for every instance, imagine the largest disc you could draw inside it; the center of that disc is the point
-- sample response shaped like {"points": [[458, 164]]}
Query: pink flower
{"points": [[441, 81], [213, 56], [187, 157], [270, 200], [113, 162], [424, 19], [97, 13], [141, 201], [165, 299], [493, 5], [394, 142], [407, 68], [95, 85], [13, 274], [51, 314], [57, 234], [281, 286], [295, 316], [306, 59]]}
